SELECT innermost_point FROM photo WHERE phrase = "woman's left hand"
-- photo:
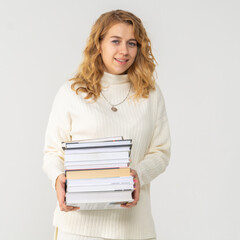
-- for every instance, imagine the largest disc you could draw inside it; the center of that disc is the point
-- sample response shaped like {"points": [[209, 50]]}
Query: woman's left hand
{"points": [[135, 193]]}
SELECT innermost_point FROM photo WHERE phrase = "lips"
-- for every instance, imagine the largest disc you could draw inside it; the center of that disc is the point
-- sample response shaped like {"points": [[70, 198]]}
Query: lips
{"points": [[121, 60]]}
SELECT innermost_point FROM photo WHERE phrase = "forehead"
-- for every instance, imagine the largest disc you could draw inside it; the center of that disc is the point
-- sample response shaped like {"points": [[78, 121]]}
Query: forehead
{"points": [[122, 30]]}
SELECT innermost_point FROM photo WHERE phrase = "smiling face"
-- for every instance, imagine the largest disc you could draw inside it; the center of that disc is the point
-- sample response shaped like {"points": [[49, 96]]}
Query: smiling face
{"points": [[118, 48]]}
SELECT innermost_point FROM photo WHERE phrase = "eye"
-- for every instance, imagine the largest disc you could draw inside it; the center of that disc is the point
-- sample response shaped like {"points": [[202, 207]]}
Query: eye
{"points": [[115, 41], [132, 44]]}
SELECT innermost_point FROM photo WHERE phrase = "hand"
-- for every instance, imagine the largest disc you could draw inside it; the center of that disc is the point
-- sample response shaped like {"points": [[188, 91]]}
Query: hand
{"points": [[60, 189], [135, 193]]}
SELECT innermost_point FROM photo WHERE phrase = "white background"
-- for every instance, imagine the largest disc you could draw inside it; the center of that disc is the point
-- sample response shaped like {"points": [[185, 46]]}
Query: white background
{"points": [[196, 44]]}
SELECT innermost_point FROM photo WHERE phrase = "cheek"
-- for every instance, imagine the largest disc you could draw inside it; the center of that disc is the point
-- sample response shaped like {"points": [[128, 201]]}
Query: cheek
{"points": [[134, 54], [108, 53]]}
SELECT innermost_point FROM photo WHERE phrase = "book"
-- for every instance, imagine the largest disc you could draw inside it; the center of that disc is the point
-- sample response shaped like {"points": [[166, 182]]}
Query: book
{"points": [[119, 163], [98, 150], [100, 181], [96, 166], [116, 143], [110, 161], [98, 173], [97, 188], [98, 197], [95, 156]]}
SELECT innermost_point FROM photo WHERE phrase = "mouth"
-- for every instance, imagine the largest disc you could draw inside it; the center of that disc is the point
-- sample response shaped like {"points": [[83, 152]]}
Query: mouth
{"points": [[121, 61]]}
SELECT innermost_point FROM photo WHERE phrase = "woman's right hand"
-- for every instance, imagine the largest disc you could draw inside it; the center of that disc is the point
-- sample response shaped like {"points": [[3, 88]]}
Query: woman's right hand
{"points": [[60, 190]]}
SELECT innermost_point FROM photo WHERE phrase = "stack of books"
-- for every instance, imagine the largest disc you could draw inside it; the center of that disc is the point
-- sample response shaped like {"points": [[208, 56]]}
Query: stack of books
{"points": [[98, 173]]}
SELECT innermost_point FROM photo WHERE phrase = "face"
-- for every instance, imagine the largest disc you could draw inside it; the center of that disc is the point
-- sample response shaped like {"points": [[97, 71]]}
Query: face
{"points": [[118, 48]]}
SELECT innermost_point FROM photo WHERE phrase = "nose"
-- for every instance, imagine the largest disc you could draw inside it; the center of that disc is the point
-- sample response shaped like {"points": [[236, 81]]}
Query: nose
{"points": [[123, 49]]}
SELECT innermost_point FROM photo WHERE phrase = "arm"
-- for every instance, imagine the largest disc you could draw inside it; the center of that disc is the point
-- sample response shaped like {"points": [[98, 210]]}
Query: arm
{"points": [[157, 158], [58, 130]]}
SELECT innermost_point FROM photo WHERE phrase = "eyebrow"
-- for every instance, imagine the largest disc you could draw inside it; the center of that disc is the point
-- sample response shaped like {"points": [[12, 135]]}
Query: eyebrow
{"points": [[132, 39]]}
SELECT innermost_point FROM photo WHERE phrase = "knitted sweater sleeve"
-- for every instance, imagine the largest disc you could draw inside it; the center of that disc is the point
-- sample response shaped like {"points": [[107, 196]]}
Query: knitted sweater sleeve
{"points": [[157, 157], [58, 130]]}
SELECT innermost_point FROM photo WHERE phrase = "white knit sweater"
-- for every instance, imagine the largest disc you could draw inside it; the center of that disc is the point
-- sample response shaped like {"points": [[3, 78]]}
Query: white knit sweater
{"points": [[144, 121]]}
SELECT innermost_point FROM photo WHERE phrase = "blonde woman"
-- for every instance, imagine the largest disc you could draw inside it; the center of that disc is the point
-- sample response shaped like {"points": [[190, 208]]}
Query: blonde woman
{"points": [[113, 93]]}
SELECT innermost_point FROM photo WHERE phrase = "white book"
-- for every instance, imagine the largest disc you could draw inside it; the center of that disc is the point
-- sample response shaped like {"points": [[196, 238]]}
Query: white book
{"points": [[96, 156], [100, 181], [98, 197], [110, 161], [117, 143], [97, 188], [97, 150], [96, 166]]}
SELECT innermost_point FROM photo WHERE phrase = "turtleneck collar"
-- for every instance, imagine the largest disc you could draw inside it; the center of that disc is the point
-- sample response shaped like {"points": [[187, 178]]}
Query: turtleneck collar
{"points": [[109, 78]]}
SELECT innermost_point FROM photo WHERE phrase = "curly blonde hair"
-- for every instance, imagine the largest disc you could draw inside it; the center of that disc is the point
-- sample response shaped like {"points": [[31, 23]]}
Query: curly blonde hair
{"points": [[89, 74]]}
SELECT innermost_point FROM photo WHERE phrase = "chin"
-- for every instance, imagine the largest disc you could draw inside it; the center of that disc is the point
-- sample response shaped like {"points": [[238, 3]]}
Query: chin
{"points": [[117, 71], [121, 72]]}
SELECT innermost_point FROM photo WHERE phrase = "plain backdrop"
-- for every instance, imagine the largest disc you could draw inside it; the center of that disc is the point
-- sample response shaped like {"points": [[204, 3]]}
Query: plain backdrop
{"points": [[196, 44]]}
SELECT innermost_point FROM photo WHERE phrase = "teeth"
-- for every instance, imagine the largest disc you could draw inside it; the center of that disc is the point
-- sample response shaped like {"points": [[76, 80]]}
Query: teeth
{"points": [[121, 60]]}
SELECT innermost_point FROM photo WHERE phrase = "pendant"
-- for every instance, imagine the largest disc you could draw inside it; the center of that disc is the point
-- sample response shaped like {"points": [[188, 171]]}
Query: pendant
{"points": [[114, 109]]}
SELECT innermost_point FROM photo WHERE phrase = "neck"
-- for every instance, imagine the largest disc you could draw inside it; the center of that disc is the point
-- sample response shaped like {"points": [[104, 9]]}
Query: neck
{"points": [[109, 78]]}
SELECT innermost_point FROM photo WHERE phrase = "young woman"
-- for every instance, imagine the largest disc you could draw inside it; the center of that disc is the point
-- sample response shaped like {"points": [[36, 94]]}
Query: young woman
{"points": [[113, 94]]}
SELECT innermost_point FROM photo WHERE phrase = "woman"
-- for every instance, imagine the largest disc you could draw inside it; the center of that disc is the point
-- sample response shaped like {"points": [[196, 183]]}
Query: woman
{"points": [[113, 94]]}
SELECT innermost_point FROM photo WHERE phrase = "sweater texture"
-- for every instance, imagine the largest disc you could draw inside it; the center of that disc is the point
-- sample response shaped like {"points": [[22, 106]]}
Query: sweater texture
{"points": [[144, 121]]}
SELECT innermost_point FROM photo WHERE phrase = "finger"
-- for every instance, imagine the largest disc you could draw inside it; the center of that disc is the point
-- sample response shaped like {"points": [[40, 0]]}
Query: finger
{"points": [[69, 208], [75, 208], [133, 173], [72, 207], [66, 208], [130, 205], [136, 194], [135, 177], [137, 190], [124, 205], [135, 197]]}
